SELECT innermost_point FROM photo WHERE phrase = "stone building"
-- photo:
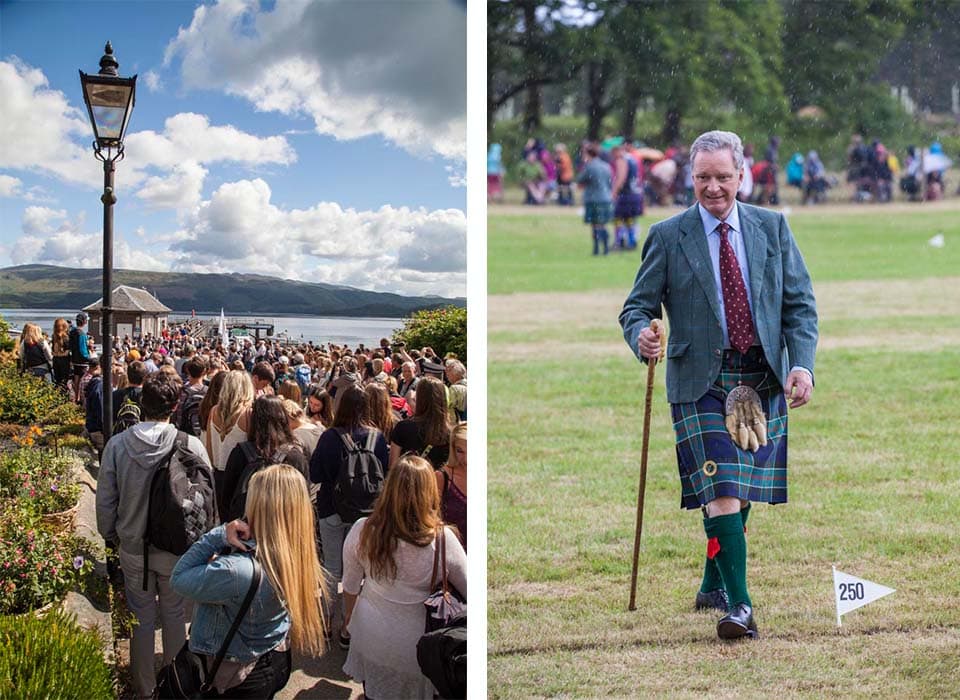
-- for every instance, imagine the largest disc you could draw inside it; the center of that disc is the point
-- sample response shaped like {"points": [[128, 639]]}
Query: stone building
{"points": [[136, 312]]}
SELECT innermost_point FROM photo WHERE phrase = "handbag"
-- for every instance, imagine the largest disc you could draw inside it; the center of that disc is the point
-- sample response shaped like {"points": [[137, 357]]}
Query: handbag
{"points": [[445, 602], [187, 675], [442, 650]]}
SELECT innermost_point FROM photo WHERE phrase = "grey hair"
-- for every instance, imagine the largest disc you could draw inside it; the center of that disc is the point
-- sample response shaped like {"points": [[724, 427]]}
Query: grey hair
{"points": [[713, 141]]}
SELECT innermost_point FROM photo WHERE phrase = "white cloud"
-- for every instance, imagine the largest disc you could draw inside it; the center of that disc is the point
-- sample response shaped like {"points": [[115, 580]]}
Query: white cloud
{"points": [[40, 220], [189, 136], [408, 251], [456, 175], [10, 186], [400, 250], [28, 101], [167, 164], [152, 80], [181, 190], [397, 69], [69, 247]]}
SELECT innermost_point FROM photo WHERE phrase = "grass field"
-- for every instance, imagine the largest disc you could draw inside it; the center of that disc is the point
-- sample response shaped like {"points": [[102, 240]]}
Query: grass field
{"points": [[874, 477]]}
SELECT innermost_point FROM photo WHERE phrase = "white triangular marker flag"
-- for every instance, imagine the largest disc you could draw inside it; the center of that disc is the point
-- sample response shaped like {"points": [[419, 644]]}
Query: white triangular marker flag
{"points": [[852, 592]]}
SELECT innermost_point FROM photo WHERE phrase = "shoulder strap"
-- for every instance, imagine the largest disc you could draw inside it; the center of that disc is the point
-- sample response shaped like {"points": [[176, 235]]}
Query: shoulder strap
{"points": [[436, 559], [246, 447], [254, 585], [371, 439], [347, 440]]}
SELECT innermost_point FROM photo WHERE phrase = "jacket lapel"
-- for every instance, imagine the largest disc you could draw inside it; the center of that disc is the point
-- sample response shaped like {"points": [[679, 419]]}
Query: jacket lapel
{"points": [[755, 242], [693, 242]]}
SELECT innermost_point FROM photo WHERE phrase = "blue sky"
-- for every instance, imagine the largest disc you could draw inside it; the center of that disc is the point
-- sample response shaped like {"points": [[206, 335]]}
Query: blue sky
{"points": [[322, 141]]}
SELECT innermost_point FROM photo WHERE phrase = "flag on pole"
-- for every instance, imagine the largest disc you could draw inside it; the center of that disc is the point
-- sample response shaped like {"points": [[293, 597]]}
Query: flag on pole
{"points": [[852, 592], [224, 337]]}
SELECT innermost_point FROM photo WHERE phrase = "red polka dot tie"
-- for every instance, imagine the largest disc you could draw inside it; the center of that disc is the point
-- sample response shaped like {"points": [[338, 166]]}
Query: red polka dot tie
{"points": [[736, 307]]}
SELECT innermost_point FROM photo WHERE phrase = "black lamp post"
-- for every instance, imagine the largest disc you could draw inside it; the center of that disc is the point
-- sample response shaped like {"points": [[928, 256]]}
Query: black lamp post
{"points": [[109, 99]]}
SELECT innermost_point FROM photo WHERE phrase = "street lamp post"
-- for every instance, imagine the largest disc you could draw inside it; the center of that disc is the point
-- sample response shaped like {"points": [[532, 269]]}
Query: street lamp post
{"points": [[109, 99]]}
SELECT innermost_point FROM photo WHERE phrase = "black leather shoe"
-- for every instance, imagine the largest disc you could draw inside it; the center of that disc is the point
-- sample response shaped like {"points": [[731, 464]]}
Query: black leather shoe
{"points": [[737, 623], [712, 600]]}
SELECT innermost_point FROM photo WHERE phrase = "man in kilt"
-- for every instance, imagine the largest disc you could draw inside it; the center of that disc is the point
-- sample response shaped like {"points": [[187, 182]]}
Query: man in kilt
{"points": [[742, 340]]}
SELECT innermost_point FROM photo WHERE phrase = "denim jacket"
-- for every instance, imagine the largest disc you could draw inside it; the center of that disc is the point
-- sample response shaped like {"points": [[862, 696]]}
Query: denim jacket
{"points": [[220, 586]]}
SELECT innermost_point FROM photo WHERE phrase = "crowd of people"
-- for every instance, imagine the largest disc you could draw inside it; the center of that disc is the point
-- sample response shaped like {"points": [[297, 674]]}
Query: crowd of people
{"points": [[355, 454], [663, 178]]}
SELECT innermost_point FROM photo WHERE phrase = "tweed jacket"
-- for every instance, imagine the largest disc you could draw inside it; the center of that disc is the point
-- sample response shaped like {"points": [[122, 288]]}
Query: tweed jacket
{"points": [[677, 273]]}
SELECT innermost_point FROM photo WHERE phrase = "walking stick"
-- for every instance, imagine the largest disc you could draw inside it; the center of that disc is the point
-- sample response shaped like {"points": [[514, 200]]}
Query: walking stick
{"points": [[657, 327]]}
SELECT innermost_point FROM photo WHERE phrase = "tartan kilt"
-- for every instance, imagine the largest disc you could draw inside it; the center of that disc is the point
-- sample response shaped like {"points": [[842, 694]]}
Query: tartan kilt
{"points": [[598, 213], [702, 436], [629, 205]]}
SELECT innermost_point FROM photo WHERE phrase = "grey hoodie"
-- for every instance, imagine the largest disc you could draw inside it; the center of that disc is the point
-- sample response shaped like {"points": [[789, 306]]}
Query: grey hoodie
{"points": [[123, 484]]}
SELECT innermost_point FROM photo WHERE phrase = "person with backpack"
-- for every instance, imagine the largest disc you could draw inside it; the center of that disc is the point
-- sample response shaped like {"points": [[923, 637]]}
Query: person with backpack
{"points": [[127, 409], [270, 441], [153, 453], [285, 614], [302, 372], [350, 447], [187, 415], [93, 405], [79, 352]]}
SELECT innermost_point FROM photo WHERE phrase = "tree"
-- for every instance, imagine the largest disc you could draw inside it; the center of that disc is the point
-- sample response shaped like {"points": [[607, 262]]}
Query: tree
{"points": [[834, 49], [927, 58], [444, 330], [526, 49]]}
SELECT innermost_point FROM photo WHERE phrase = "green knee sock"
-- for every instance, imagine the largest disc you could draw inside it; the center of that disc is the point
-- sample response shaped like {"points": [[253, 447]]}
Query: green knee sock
{"points": [[712, 580], [731, 560]]}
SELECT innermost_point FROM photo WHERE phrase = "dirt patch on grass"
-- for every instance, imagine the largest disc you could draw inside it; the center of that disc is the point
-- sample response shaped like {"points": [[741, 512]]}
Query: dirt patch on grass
{"points": [[533, 589], [534, 314]]}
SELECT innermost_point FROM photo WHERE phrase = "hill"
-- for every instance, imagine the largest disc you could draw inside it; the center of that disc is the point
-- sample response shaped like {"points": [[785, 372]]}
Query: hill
{"points": [[52, 287]]}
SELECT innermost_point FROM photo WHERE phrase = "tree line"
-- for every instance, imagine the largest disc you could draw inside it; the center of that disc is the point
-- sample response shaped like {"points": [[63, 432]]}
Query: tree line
{"points": [[759, 62]]}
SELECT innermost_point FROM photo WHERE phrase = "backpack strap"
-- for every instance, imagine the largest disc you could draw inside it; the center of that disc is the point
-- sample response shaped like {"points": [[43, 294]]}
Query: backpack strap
{"points": [[244, 607], [371, 440], [162, 464], [347, 440]]}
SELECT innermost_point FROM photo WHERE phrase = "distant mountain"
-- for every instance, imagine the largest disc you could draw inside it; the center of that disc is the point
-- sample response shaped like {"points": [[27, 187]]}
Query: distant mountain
{"points": [[51, 287]]}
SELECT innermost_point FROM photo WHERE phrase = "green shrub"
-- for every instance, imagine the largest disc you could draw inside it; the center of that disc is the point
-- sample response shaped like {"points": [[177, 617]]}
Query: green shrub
{"points": [[6, 342], [444, 330], [25, 399], [37, 565], [38, 481], [51, 657]]}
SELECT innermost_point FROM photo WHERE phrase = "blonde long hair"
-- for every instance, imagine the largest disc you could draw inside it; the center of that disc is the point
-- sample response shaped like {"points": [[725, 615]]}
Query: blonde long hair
{"points": [[236, 396], [407, 509], [31, 333], [281, 520]]}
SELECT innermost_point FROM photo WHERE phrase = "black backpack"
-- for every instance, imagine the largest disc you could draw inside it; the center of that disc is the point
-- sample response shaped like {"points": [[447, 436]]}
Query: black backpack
{"points": [[189, 412], [359, 479], [442, 657], [76, 356], [181, 505], [238, 500], [255, 462], [128, 415]]}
